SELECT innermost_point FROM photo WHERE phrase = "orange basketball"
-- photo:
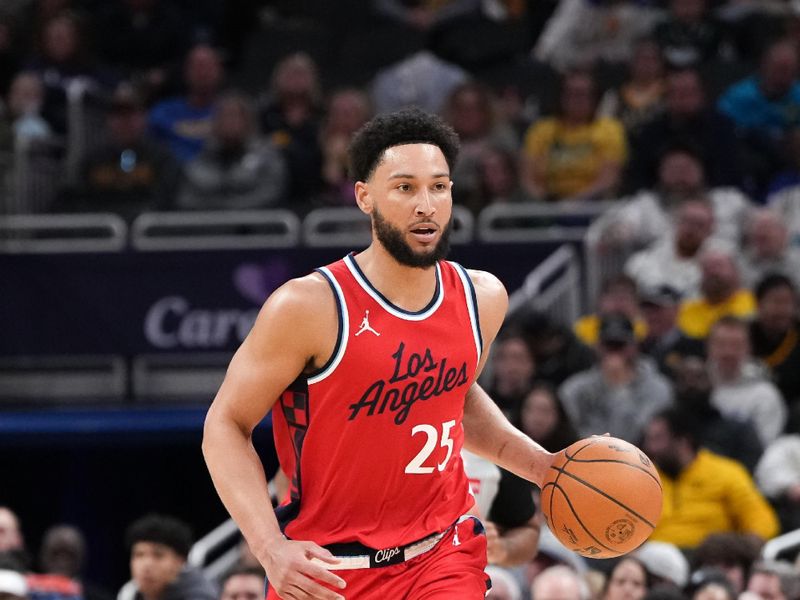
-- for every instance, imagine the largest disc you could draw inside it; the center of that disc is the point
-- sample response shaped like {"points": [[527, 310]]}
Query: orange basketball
{"points": [[601, 497]]}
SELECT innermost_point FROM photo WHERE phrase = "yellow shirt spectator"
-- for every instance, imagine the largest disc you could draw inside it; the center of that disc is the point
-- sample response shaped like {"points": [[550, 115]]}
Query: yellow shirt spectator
{"points": [[713, 494], [587, 328], [695, 317], [572, 157]]}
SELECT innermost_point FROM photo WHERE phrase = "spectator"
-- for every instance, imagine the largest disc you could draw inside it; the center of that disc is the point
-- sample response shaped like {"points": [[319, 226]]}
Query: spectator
{"points": [[688, 120], [512, 372], [741, 388], [664, 343], [158, 548], [236, 169], [628, 580], [704, 493], [768, 102], [243, 583], [559, 582], [767, 249], [778, 476], [63, 554], [574, 155], [183, 123], [13, 585], [774, 580], [584, 32], [618, 295], [725, 435], [775, 333], [544, 420], [650, 214], [348, 110], [784, 194], [673, 260], [790, 177], [556, 349], [505, 503], [550, 553], [504, 586], [690, 35], [11, 539], [23, 120], [711, 584], [470, 110], [64, 59], [497, 180], [720, 295], [620, 393], [421, 79], [665, 563], [291, 115], [640, 98], [765, 107], [145, 38], [732, 553], [130, 173]]}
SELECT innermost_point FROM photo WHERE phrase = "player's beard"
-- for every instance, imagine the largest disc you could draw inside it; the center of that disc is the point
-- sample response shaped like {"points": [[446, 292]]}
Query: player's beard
{"points": [[392, 239]]}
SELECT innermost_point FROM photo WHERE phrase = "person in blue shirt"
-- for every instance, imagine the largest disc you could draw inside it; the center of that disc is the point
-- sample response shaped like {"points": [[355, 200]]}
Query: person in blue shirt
{"points": [[183, 123], [769, 100]]}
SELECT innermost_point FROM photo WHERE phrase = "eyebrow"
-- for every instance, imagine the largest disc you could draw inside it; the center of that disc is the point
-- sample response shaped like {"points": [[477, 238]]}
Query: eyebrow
{"points": [[409, 176]]}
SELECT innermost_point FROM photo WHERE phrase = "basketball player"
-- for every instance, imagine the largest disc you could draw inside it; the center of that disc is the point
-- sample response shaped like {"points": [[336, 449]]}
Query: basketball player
{"points": [[369, 365]]}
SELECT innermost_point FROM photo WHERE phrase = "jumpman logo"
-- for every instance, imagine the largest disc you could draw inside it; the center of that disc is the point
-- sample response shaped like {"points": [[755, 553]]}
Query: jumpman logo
{"points": [[366, 327]]}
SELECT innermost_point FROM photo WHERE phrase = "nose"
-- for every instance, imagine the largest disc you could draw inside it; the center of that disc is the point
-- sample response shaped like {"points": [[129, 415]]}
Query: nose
{"points": [[425, 205]]}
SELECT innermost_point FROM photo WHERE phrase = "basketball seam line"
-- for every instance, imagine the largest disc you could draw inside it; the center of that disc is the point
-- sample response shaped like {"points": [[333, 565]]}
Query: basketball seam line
{"points": [[622, 462], [602, 493], [578, 518]]}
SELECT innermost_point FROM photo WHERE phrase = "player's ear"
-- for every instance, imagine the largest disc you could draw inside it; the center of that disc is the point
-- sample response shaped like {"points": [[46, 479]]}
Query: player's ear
{"points": [[363, 197]]}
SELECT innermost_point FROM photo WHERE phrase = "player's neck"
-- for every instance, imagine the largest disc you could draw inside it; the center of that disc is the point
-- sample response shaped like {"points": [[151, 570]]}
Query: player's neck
{"points": [[409, 288]]}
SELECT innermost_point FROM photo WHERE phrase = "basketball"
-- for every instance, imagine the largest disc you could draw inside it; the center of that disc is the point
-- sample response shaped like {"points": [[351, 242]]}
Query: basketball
{"points": [[601, 497]]}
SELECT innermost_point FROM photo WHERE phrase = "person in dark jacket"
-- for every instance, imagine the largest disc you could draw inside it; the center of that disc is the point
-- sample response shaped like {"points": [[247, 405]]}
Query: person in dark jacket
{"points": [[159, 546]]}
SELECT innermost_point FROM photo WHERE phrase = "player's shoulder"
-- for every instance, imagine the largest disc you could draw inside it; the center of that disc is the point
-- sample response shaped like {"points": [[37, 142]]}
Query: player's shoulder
{"points": [[487, 286], [302, 296]]}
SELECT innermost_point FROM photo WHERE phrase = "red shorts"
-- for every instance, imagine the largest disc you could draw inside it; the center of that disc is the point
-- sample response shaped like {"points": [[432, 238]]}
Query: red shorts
{"points": [[452, 570]]}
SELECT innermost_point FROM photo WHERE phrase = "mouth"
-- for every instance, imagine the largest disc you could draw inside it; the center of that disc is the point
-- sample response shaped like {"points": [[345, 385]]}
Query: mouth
{"points": [[425, 232]]}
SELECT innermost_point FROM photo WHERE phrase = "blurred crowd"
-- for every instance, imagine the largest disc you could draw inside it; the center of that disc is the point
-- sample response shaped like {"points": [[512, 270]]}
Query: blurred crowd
{"points": [[651, 101], [685, 113]]}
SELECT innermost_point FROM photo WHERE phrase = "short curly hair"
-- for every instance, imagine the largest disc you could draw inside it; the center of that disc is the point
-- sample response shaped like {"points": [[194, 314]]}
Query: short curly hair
{"points": [[407, 126]]}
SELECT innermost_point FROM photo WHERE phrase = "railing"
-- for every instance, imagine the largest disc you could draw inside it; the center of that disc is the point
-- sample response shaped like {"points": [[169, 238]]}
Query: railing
{"points": [[280, 228], [272, 228], [778, 545], [59, 378], [553, 287], [32, 234], [348, 226], [601, 261], [563, 221]]}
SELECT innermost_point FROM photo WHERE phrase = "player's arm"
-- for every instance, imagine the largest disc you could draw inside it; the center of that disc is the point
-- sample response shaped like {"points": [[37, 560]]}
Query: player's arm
{"points": [[289, 336], [487, 432]]}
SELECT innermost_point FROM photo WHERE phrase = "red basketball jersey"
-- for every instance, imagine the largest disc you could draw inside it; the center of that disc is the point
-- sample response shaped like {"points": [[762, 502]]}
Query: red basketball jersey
{"points": [[372, 442]]}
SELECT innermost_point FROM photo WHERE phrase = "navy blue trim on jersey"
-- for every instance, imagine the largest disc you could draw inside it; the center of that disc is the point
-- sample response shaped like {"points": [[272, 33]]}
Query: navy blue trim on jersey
{"points": [[474, 297], [350, 258], [339, 332]]}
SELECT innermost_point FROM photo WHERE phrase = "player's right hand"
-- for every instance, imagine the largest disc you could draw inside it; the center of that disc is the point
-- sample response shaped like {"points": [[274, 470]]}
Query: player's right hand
{"points": [[294, 574]]}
